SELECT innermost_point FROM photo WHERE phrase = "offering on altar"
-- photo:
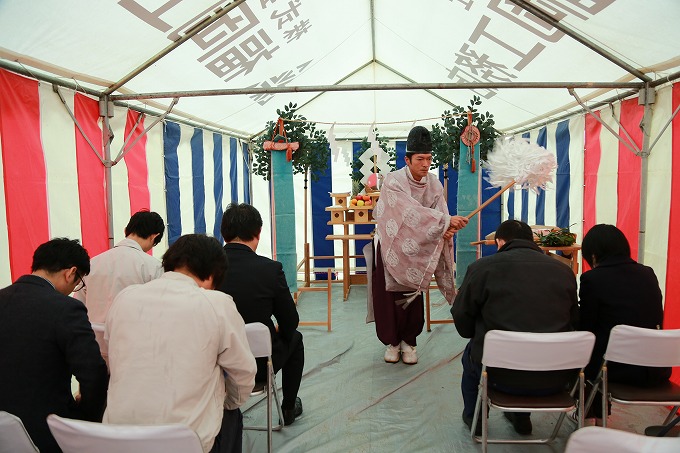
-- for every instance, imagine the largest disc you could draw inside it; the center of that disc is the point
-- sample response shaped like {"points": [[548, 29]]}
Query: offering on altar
{"points": [[546, 236], [373, 182], [361, 201], [355, 209], [556, 237]]}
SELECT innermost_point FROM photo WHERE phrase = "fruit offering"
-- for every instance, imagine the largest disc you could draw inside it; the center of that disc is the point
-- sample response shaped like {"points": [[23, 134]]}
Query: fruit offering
{"points": [[361, 201]]}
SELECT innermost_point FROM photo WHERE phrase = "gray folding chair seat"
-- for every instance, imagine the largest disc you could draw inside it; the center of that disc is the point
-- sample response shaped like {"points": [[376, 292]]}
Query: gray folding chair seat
{"points": [[642, 347], [594, 439], [528, 351], [13, 435], [77, 436]]}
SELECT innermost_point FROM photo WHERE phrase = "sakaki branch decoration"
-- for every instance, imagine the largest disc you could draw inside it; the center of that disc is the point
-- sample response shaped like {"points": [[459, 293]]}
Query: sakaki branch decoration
{"points": [[458, 123], [313, 149]]}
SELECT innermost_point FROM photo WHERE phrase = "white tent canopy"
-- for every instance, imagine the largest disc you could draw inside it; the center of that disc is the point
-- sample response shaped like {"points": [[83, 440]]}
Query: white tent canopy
{"points": [[352, 63], [270, 45]]}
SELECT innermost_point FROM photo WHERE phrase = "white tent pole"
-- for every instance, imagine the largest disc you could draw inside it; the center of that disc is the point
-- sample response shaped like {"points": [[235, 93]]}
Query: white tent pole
{"points": [[106, 112], [377, 87], [647, 97]]}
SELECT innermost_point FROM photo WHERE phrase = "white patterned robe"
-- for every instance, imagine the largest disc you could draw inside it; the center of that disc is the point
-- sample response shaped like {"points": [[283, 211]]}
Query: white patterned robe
{"points": [[412, 217]]}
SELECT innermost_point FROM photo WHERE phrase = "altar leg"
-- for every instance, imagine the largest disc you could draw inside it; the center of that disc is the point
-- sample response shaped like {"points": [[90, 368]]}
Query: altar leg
{"points": [[345, 264]]}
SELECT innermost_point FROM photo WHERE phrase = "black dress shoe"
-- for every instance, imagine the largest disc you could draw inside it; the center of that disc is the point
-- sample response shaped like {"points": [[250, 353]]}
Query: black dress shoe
{"points": [[468, 421], [289, 415], [520, 421]]}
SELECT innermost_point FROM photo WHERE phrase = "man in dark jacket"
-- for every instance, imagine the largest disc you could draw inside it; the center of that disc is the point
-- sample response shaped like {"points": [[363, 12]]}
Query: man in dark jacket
{"points": [[258, 287], [45, 338], [517, 289]]}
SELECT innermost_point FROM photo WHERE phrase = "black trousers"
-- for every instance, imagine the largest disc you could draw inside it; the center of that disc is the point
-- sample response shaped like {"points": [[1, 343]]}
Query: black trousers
{"points": [[230, 437], [289, 358]]}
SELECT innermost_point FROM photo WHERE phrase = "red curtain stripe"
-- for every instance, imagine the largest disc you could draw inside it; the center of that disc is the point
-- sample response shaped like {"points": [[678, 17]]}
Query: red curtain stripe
{"points": [[135, 161], [91, 182], [629, 175], [672, 301], [24, 170], [591, 164]]}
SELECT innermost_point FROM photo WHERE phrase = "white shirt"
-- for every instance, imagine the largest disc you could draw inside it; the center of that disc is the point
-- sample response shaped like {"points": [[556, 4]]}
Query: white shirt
{"points": [[170, 345], [117, 268]]}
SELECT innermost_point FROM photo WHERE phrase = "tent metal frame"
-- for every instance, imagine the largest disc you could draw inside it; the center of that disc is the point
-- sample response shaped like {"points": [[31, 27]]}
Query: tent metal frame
{"points": [[376, 87], [645, 90]]}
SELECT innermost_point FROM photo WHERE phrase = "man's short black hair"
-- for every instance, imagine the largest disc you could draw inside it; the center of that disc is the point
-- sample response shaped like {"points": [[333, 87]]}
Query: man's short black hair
{"points": [[61, 253], [603, 241], [241, 221], [145, 223], [514, 229], [202, 255]]}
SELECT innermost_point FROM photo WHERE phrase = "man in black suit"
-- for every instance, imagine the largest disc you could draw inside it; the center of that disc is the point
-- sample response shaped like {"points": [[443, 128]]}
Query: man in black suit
{"points": [[45, 338], [258, 287]]}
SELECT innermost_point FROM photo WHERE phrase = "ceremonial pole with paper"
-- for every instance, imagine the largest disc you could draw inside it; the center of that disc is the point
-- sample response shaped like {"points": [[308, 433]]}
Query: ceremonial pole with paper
{"points": [[517, 162]]}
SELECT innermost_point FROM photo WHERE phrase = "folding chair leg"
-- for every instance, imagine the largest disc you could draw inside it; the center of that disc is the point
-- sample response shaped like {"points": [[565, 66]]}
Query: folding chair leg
{"points": [[279, 425], [580, 410], [591, 396], [671, 415], [271, 381], [605, 396], [475, 417], [272, 398], [270, 443], [485, 412]]}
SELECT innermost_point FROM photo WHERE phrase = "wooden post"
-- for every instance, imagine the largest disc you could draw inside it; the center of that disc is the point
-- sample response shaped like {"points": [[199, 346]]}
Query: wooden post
{"points": [[329, 298], [308, 279], [306, 246]]}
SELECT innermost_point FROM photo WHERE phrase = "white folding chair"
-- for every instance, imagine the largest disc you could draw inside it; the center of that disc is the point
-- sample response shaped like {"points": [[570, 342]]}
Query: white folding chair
{"points": [[260, 341], [643, 347], [13, 435], [594, 439], [77, 436], [103, 345], [527, 351]]}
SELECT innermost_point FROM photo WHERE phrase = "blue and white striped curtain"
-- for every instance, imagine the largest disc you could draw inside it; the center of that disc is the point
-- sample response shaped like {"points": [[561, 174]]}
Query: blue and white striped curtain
{"points": [[562, 204], [204, 171], [340, 168]]}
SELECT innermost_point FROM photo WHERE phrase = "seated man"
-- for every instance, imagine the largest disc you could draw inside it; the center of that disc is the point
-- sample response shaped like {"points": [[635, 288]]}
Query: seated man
{"points": [[127, 263], [617, 290], [175, 346], [45, 338], [518, 289], [258, 286]]}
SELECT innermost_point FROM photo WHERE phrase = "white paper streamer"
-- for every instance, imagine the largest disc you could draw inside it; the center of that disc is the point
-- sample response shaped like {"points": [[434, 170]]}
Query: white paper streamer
{"points": [[373, 141], [335, 147], [529, 165]]}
